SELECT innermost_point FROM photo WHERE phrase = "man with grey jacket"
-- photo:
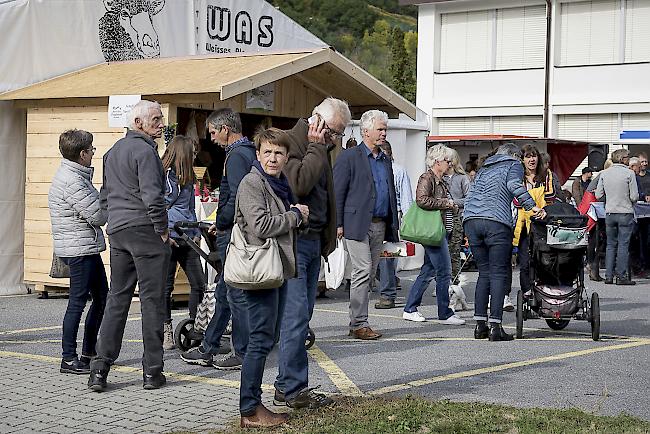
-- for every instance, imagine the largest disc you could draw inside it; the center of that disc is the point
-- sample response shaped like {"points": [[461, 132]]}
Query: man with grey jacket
{"points": [[618, 186], [77, 218], [133, 194]]}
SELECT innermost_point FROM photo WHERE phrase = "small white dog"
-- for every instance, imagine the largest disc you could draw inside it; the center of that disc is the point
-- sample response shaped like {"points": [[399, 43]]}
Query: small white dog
{"points": [[457, 300]]}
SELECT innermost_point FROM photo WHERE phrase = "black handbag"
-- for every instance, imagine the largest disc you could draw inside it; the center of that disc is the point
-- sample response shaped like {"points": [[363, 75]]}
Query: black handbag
{"points": [[59, 269]]}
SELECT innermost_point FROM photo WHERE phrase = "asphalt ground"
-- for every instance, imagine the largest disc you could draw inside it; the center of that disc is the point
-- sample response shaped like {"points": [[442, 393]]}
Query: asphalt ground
{"points": [[544, 369]]}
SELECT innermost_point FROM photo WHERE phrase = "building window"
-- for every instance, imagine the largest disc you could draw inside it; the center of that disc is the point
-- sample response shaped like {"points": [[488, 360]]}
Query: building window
{"points": [[521, 37], [532, 126], [510, 38], [637, 31], [604, 32], [465, 41], [601, 128]]}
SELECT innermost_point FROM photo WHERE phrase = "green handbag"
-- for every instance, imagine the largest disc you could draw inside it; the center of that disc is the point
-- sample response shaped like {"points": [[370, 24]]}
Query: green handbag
{"points": [[423, 226]]}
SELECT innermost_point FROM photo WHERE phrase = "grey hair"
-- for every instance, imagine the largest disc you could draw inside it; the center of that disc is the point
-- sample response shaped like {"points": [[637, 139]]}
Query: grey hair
{"points": [[141, 111], [619, 154], [455, 162], [369, 118], [509, 149], [634, 161], [225, 116], [438, 153], [332, 109]]}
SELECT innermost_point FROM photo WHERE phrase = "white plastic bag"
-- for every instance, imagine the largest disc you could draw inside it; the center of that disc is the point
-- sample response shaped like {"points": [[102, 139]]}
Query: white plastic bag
{"points": [[335, 266]]}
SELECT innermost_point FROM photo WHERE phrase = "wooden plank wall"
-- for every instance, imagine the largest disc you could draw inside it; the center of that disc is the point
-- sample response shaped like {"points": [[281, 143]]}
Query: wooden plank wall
{"points": [[44, 125]]}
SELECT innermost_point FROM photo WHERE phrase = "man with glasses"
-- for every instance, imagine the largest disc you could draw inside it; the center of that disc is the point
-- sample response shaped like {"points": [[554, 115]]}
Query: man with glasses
{"points": [[309, 173], [225, 128], [133, 195], [366, 214]]}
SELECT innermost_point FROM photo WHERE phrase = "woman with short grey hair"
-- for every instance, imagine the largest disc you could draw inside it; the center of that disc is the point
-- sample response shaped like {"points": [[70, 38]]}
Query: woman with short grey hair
{"points": [[77, 218], [433, 194], [488, 223]]}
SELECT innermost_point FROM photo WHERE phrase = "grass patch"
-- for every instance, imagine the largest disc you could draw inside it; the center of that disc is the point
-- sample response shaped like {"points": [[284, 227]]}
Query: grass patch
{"points": [[420, 416]]}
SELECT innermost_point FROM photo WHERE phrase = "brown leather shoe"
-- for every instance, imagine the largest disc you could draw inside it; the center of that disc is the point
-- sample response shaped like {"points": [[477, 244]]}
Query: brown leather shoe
{"points": [[263, 418], [365, 333]]}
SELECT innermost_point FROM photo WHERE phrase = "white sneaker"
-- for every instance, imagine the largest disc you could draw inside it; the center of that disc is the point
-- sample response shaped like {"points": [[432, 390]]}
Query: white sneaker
{"points": [[413, 316], [453, 320], [168, 336], [507, 304]]}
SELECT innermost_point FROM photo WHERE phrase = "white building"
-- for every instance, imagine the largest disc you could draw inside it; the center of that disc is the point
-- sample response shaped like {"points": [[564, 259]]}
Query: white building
{"points": [[566, 69]]}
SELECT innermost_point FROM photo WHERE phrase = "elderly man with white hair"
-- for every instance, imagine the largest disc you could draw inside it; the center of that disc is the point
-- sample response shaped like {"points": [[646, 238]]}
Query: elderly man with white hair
{"points": [[309, 172], [366, 213], [133, 194]]}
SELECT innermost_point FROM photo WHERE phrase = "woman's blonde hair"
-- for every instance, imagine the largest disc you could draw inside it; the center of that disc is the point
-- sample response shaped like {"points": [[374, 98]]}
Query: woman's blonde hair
{"points": [[455, 163], [438, 153]]}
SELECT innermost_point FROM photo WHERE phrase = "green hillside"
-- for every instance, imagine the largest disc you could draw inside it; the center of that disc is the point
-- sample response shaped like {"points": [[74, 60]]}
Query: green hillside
{"points": [[378, 35]]}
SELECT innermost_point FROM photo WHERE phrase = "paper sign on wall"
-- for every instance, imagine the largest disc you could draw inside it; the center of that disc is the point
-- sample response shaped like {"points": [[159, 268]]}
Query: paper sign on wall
{"points": [[262, 97], [119, 107]]}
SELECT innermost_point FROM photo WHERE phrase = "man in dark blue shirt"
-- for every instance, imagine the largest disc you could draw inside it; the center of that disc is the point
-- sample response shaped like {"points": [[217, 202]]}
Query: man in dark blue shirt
{"points": [[366, 213]]}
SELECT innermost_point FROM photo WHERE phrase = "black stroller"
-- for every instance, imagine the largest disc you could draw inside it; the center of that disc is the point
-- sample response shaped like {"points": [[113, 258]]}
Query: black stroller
{"points": [[189, 332], [558, 245]]}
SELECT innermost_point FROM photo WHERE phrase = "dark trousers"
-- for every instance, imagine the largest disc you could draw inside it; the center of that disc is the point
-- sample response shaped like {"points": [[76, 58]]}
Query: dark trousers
{"points": [[491, 244], [190, 263], [265, 309], [87, 279], [230, 302], [524, 261], [293, 366], [138, 255]]}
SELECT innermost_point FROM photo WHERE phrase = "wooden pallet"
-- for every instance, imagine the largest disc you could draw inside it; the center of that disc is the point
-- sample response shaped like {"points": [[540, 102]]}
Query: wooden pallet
{"points": [[45, 291]]}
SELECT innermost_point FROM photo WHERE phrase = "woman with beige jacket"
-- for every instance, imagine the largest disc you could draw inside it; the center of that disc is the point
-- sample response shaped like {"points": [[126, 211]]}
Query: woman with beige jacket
{"points": [[266, 209]]}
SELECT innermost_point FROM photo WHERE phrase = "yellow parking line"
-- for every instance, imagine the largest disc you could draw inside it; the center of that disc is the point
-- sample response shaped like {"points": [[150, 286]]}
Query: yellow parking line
{"points": [[233, 384], [523, 363], [440, 339], [58, 327], [435, 321], [336, 374]]}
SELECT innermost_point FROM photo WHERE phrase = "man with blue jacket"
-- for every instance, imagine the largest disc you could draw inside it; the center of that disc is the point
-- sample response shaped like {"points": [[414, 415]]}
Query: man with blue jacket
{"points": [[366, 213], [488, 222], [225, 130]]}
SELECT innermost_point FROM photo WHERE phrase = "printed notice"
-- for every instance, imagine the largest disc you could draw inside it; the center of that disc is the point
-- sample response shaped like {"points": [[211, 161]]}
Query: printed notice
{"points": [[119, 107]]}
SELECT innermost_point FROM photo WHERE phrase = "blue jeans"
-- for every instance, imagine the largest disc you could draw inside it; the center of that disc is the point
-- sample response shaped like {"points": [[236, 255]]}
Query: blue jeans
{"points": [[293, 371], [87, 279], [491, 244], [437, 263], [619, 229], [265, 309], [387, 278], [230, 301]]}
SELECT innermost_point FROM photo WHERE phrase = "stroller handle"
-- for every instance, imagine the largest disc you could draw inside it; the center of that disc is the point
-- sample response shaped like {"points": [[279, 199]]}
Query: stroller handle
{"points": [[181, 226]]}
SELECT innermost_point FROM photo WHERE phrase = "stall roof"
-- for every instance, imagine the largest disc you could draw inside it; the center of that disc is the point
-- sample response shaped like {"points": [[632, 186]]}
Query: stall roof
{"points": [[228, 75]]}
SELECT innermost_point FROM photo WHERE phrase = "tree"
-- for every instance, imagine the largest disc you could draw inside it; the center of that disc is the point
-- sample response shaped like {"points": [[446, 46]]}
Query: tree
{"points": [[402, 79]]}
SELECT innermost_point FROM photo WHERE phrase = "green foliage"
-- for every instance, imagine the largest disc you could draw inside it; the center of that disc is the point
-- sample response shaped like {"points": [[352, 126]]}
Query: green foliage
{"points": [[378, 35]]}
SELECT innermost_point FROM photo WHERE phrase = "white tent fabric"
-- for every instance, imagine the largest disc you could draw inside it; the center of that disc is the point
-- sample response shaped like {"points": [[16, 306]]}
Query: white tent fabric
{"points": [[42, 39]]}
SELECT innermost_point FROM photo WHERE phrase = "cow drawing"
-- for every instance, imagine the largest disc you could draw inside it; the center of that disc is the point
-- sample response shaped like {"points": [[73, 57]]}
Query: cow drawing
{"points": [[126, 30]]}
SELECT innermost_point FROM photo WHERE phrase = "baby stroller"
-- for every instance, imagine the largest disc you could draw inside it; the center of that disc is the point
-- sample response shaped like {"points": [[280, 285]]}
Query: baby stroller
{"points": [[189, 332], [558, 245]]}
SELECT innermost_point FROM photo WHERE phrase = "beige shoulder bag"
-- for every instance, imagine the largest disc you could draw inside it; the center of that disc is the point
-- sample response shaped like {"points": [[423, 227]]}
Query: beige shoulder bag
{"points": [[251, 267]]}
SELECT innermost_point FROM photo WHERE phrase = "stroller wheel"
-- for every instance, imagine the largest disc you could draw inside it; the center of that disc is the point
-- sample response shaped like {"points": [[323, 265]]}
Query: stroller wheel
{"points": [[557, 324], [595, 316], [311, 338], [184, 334], [520, 314]]}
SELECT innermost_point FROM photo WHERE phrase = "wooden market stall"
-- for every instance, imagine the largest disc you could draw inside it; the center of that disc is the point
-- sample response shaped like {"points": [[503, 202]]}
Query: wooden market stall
{"points": [[298, 81]]}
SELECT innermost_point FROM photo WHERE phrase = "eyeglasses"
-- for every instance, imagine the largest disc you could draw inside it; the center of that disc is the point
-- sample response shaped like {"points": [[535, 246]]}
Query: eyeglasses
{"points": [[91, 149]]}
